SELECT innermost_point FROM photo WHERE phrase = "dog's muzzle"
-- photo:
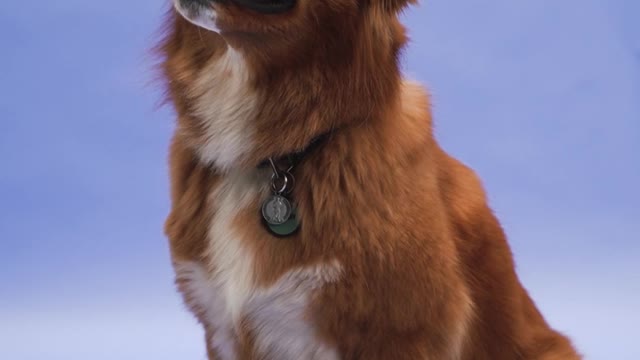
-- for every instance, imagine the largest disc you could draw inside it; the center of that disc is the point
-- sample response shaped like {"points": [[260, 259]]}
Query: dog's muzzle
{"points": [[259, 6]]}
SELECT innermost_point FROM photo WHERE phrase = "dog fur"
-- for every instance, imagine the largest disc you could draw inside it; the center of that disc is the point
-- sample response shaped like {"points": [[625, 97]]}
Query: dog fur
{"points": [[399, 255]]}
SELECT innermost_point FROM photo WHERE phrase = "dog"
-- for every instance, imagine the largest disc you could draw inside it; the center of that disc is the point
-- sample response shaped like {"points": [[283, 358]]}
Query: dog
{"points": [[314, 215]]}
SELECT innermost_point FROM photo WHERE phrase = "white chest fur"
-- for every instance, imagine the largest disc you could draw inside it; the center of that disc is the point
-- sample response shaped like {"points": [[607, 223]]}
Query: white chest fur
{"points": [[225, 103], [228, 293]]}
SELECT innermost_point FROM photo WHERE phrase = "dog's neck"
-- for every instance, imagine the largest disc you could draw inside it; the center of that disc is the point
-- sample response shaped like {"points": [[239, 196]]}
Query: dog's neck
{"points": [[351, 80]]}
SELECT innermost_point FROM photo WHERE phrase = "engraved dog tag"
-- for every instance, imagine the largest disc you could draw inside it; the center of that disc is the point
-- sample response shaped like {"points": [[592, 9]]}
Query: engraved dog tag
{"points": [[276, 210]]}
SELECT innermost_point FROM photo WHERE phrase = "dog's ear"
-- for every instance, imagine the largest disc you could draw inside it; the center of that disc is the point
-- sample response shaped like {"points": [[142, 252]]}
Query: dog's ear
{"points": [[396, 5]]}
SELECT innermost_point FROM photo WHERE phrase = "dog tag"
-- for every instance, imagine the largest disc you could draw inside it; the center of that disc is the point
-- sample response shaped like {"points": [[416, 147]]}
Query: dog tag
{"points": [[279, 216], [289, 227], [276, 210]]}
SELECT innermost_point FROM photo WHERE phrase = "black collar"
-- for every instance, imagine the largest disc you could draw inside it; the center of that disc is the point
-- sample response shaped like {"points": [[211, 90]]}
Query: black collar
{"points": [[293, 159]]}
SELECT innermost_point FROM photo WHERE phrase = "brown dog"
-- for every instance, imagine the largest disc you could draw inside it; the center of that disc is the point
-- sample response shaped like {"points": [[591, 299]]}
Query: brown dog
{"points": [[313, 215]]}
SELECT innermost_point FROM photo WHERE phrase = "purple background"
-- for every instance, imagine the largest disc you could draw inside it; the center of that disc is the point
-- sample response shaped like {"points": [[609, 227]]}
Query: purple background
{"points": [[541, 97]]}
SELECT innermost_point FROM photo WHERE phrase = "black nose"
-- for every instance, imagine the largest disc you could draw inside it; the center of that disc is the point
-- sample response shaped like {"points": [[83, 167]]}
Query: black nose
{"points": [[200, 3], [196, 2], [266, 6]]}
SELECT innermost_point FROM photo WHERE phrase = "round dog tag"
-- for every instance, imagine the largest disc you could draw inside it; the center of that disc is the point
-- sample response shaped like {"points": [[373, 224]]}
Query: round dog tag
{"points": [[289, 227], [276, 210]]}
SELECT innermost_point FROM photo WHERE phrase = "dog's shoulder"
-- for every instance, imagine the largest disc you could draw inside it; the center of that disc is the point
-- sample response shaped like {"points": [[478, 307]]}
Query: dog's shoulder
{"points": [[462, 188]]}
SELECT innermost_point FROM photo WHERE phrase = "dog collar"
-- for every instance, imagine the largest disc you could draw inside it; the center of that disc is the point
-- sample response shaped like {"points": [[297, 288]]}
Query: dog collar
{"points": [[279, 212]]}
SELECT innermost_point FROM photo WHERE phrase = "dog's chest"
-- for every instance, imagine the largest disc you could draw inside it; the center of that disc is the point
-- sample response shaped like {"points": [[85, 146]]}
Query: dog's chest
{"points": [[224, 293]]}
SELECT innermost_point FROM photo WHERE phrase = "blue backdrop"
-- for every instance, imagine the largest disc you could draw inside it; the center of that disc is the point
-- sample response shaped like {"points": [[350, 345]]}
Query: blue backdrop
{"points": [[541, 97]]}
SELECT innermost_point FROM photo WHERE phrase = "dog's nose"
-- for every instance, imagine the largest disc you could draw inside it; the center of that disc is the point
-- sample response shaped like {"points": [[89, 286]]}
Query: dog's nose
{"points": [[266, 6], [201, 3], [259, 6], [196, 2]]}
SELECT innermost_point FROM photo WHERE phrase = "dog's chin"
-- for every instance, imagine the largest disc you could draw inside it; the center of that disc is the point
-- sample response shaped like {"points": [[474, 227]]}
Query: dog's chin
{"points": [[204, 17]]}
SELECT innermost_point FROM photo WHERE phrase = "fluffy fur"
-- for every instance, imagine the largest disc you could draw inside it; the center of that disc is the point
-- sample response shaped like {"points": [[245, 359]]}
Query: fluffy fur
{"points": [[398, 257]]}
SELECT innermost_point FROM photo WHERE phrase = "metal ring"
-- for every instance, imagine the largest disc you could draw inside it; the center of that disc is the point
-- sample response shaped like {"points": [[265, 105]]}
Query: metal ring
{"points": [[274, 168], [291, 184], [274, 186], [287, 184]]}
